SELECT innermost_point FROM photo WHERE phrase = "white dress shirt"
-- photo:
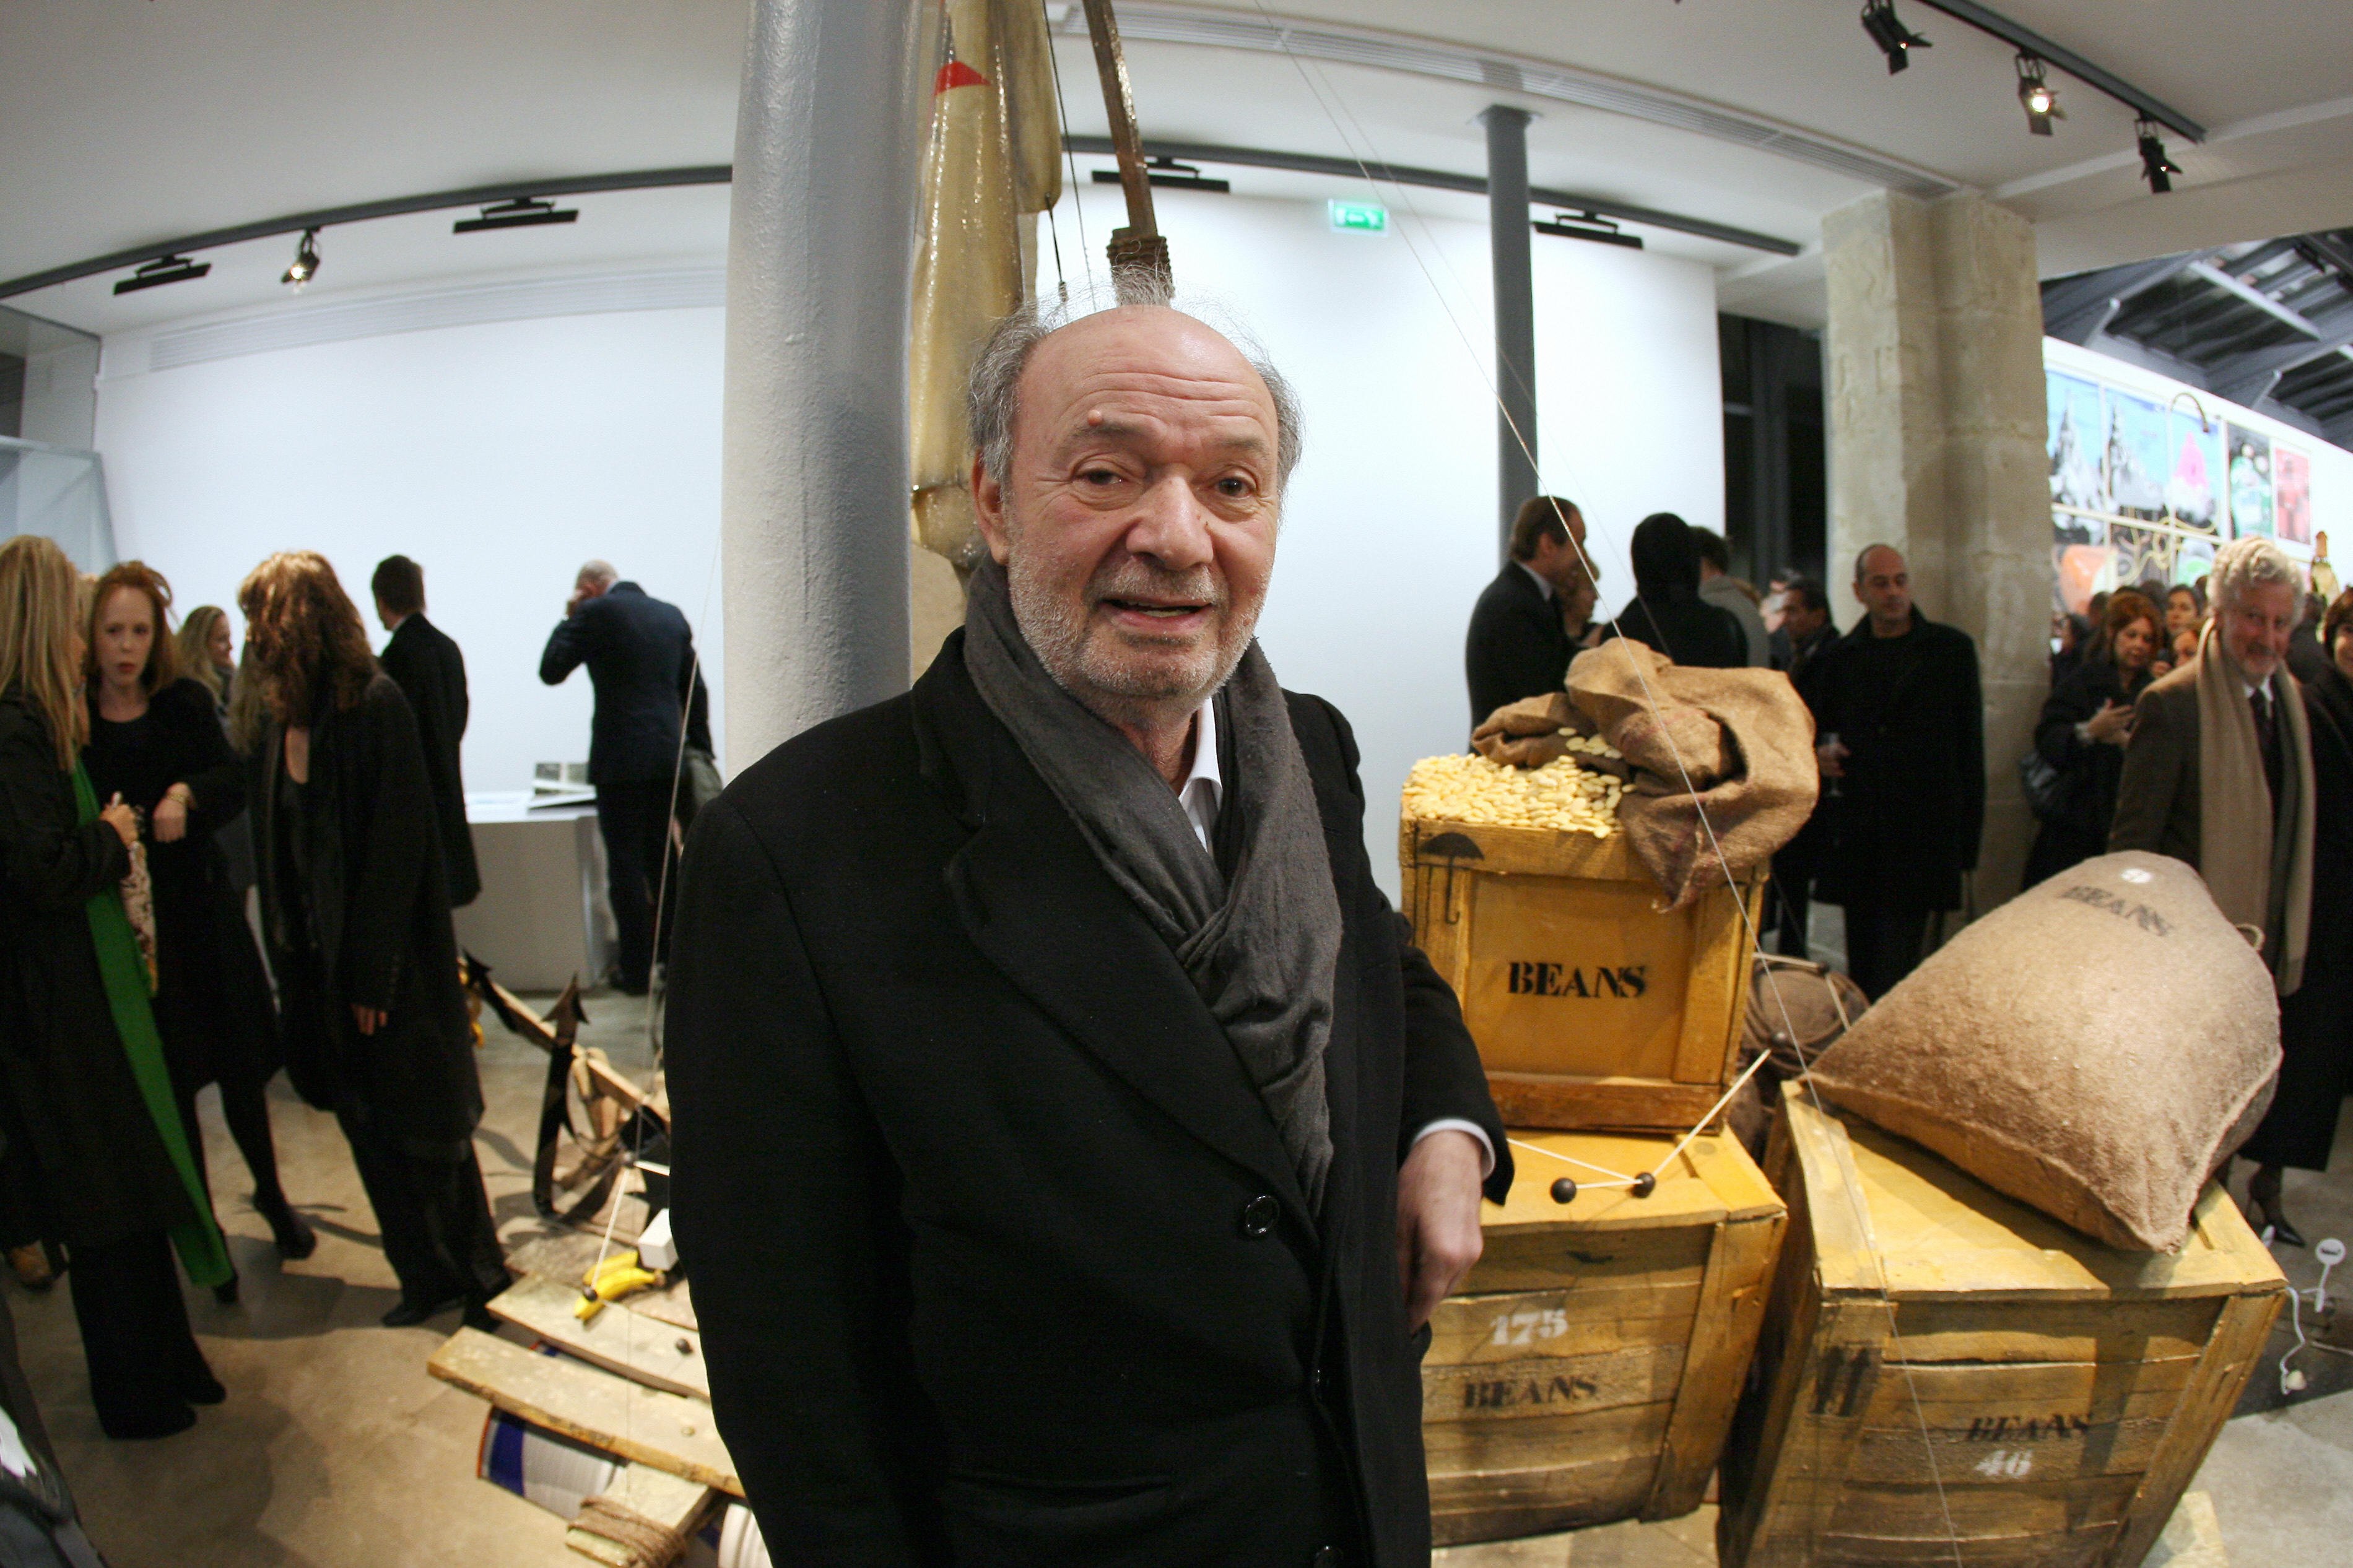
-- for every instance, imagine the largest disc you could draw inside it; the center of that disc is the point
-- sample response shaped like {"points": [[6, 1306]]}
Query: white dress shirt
{"points": [[1543, 583], [1203, 793]]}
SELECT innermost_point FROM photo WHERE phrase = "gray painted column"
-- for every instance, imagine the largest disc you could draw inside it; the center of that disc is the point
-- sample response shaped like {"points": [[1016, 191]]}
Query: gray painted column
{"points": [[1515, 309], [813, 496]]}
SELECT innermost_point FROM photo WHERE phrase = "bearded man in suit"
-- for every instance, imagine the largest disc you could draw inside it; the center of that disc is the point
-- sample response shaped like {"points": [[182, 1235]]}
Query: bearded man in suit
{"points": [[1069, 1144]]}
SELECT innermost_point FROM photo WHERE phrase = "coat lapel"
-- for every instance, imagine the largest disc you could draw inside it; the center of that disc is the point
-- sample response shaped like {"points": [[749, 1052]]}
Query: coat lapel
{"points": [[1033, 900]]}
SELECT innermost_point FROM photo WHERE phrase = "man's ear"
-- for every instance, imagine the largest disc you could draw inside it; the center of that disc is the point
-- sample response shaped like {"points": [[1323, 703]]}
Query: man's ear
{"points": [[989, 510]]}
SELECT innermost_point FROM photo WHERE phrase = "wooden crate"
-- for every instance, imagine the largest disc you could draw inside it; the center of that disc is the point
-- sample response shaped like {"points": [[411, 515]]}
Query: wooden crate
{"points": [[1983, 1385], [1592, 1006], [1589, 1368]]}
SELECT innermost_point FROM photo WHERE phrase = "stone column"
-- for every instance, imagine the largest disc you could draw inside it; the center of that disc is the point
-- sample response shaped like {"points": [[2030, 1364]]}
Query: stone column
{"points": [[1516, 310], [812, 504], [1936, 448]]}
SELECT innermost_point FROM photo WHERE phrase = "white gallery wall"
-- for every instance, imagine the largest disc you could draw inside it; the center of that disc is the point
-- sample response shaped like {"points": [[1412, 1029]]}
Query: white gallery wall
{"points": [[501, 452]]}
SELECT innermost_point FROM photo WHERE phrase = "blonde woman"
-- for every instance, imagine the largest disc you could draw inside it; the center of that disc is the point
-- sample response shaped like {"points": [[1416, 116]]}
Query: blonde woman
{"points": [[81, 1062], [208, 653]]}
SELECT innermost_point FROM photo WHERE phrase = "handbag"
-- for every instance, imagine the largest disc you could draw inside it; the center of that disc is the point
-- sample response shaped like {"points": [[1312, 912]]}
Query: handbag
{"points": [[698, 784], [2046, 787]]}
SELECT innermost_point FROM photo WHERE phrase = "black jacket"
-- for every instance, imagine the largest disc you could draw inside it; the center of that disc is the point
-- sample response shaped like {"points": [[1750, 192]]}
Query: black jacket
{"points": [[1685, 628], [103, 1175], [2092, 767], [430, 671], [1906, 818], [1517, 646], [641, 657], [997, 1254], [368, 924]]}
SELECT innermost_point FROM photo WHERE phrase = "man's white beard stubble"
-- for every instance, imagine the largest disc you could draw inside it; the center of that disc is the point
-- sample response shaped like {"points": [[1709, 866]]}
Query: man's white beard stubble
{"points": [[1089, 668]]}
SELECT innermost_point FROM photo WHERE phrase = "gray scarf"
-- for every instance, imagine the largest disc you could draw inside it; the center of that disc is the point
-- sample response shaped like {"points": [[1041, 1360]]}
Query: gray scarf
{"points": [[1261, 950]]}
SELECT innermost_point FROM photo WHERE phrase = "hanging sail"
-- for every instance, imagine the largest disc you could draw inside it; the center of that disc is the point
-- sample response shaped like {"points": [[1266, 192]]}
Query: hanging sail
{"points": [[992, 163]]}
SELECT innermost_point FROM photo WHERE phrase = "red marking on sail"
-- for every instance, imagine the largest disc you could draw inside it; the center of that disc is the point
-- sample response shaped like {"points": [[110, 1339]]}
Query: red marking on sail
{"points": [[955, 73]]}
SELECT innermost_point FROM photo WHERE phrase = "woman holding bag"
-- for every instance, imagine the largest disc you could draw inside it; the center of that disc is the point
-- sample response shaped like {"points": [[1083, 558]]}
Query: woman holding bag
{"points": [[78, 1050]]}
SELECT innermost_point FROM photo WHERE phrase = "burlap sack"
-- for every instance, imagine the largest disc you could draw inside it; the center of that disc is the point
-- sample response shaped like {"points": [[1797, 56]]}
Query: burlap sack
{"points": [[1737, 743], [2094, 1048]]}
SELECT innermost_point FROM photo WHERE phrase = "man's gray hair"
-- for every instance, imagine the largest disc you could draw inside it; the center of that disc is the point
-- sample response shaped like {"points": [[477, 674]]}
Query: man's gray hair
{"points": [[992, 393], [2244, 563], [598, 574]]}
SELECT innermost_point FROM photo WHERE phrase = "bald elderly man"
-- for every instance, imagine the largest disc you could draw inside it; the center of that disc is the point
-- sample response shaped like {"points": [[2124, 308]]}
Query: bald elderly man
{"points": [[1071, 1146]]}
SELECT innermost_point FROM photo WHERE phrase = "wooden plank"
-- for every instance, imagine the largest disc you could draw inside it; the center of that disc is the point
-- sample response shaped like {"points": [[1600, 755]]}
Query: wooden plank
{"points": [[1731, 1311], [1999, 1397], [1529, 851], [1532, 1390], [1978, 1511], [1565, 1100], [1465, 1449], [2230, 1360], [1896, 1455], [1505, 1506], [2089, 1548], [635, 1423], [641, 1520], [1996, 1331], [1481, 1330], [1715, 1002], [657, 1355]]}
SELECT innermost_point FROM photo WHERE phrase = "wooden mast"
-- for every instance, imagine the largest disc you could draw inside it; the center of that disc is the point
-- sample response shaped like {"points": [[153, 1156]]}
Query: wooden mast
{"points": [[1140, 247]]}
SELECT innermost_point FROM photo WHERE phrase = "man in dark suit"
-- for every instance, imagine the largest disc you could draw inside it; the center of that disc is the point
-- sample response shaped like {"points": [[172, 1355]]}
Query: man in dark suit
{"points": [[1899, 726], [640, 658], [1517, 645], [424, 662], [1070, 1146], [1805, 633]]}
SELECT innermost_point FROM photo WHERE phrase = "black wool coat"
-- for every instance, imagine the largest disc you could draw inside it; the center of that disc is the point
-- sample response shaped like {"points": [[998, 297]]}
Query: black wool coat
{"points": [[997, 1254], [1685, 628], [103, 1173], [425, 662], [2316, 1018], [1907, 819], [1517, 646], [640, 658], [2093, 769], [371, 927]]}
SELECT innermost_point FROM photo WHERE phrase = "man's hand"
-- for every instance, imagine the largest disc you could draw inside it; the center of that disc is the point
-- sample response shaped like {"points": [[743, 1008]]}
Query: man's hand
{"points": [[1437, 1220]]}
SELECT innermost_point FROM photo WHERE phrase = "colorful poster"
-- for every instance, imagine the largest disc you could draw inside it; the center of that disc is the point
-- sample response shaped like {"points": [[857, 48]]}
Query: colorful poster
{"points": [[2137, 460], [2292, 494], [2073, 442], [2251, 483], [2193, 490]]}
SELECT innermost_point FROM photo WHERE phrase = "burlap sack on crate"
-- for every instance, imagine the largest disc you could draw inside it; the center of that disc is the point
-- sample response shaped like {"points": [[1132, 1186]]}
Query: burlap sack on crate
{"points": [[2094, 1048]]}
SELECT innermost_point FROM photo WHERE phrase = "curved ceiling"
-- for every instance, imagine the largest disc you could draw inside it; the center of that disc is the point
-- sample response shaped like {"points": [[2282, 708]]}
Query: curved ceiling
{"points": [[129, 121]]}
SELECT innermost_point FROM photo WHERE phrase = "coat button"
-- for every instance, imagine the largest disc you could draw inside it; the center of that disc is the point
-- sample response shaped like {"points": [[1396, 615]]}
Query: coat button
{"points": [[1259, 1214], [1326, 1557], [1321, 1380]]}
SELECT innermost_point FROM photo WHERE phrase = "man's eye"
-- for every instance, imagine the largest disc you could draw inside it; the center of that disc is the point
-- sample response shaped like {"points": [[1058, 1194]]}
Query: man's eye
{"points": [[1234, 485], [1099, 476]]}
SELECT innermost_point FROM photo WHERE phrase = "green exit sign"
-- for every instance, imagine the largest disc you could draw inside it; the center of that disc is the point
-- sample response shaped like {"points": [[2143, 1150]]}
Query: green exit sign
{"points": [[1364, 217]]}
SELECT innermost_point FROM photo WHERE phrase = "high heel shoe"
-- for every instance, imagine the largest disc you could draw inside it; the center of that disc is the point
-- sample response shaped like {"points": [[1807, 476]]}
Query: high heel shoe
{"points": [[2263, 1192], [288, 1231]]}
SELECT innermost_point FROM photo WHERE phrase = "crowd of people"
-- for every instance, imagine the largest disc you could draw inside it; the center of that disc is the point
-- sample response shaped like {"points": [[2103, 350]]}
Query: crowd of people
{"points": [[153, 784], [2216, 729]]}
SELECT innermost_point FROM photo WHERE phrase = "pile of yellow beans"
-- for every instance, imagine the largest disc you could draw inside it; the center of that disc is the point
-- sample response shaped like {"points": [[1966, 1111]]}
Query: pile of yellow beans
{"points": [[1466, 787]]}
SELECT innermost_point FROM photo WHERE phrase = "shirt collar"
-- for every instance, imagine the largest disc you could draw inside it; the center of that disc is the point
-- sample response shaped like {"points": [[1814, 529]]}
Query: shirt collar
{"points": [[1544, 586], [1203, 791], [2265, 685]]}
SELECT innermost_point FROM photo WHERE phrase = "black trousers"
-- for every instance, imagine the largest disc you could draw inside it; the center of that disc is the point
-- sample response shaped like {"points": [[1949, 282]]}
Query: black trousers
{"points": [[143, 1361], [634, 820], [434, 1216], [1882, 944], [1785, 908]]}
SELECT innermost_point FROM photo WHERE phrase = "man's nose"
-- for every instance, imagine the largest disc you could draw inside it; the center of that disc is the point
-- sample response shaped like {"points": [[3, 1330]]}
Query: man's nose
{"points": [[1170, 526]]}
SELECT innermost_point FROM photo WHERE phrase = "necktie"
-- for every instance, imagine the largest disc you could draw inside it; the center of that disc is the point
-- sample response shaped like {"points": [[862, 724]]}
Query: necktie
{"points": [[2261, 699]]}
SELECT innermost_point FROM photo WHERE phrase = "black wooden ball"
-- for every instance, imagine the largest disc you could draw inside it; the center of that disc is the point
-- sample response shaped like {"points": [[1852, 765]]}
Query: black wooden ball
{"points": [[1645, 1185], [1563, 1191]]}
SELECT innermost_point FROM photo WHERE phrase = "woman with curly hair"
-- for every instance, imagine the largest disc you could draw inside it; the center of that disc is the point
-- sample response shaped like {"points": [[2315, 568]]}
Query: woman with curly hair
{"points": [[354, 903], [83, 1066], [155, 739]]}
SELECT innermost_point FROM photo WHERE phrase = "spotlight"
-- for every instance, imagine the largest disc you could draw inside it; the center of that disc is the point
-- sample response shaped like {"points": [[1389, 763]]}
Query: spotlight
{"points": [[1896, 40], [162, 270], [2037, 97], [306, 260], [524, 212], [1170, 174], [1588, 226], [2155, 166]]}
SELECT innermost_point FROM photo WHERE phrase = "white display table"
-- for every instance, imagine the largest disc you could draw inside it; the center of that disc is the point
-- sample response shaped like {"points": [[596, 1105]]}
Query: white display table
{"points": [[542, 917]]}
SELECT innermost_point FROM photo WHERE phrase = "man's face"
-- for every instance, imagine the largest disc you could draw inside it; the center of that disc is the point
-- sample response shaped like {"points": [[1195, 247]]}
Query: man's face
{"points": [[1884, 586], [1556, 560], [2255, 627], [1137, 524], [1801, 619]]}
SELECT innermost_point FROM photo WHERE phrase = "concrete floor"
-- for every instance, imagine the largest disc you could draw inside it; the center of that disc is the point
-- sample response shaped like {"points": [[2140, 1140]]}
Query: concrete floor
{"points": [[336, 1450]]}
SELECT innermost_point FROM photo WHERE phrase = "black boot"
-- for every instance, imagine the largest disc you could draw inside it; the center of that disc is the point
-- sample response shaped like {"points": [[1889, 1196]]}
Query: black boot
{"points": [[2263, 1192], [290, 1231]]}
